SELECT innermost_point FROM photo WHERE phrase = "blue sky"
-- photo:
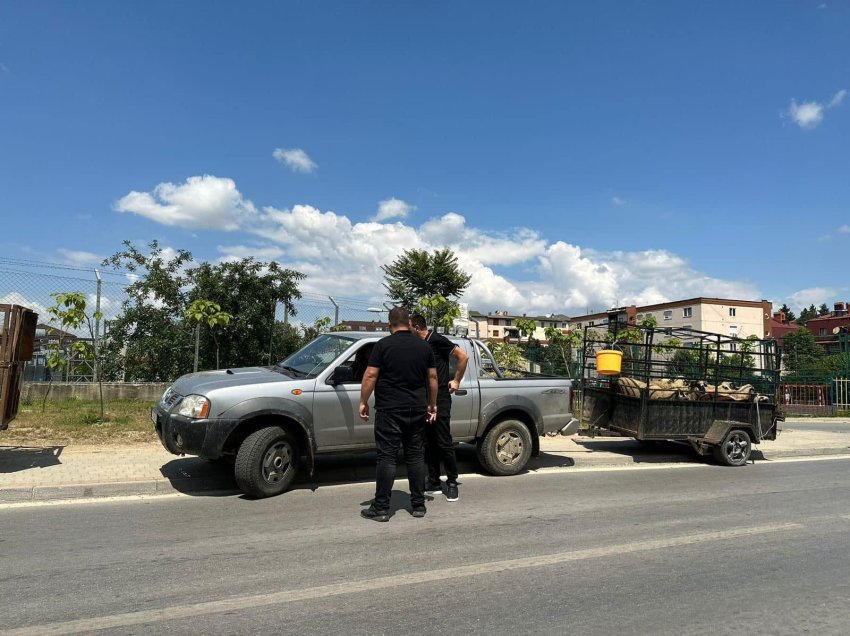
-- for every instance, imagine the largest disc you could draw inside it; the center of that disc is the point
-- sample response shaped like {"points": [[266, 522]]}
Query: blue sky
{"points": [[575, 155]]}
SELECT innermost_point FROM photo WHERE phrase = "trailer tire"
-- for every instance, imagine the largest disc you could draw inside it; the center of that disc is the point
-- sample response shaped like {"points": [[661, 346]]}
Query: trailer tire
{"points": [[266, 462], [735, 448], [506, 448]]}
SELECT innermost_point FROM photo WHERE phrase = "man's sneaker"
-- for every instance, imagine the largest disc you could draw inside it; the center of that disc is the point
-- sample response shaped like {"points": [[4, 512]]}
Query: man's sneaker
{"points": [[451, 492], [419, 512], [374, 515], [434, 488]]}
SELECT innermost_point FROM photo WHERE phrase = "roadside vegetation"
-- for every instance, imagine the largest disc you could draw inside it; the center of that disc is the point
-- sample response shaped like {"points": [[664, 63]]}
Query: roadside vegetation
{"points": [[79, 421]]}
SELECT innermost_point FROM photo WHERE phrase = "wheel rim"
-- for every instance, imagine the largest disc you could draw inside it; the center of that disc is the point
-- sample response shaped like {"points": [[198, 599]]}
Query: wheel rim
{"points": [[509, 448], [736, 447], [277, 461]]}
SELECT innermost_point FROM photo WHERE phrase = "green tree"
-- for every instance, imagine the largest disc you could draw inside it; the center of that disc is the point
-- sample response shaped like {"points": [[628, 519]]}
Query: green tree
{"points": [[806, 314], [507, 355], [525, 326], [438, 311], [418, 275], [823, 310], [790, 316], [71, 314], [564, 345], [801, 350], [206, 312]]}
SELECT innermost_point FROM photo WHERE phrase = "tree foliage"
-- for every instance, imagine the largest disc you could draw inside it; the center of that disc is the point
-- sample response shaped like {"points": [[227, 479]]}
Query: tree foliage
{"points": [[790, 316], [152, 339], [418, 276]]}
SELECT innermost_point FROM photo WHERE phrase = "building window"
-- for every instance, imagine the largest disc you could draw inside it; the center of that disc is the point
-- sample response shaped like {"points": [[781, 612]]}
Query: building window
{"points": [[731, 312], [507, 323], [496, 333], [733, 346], [687, 312], [495, 322], [823, 331], [668, 315]]}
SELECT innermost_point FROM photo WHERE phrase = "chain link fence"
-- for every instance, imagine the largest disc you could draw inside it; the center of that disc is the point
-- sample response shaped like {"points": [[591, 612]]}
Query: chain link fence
{"points": [[31, 283]]}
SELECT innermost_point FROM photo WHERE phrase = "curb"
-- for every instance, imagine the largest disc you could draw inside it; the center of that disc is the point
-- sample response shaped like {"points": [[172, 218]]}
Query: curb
{"points": [[225, 485]]}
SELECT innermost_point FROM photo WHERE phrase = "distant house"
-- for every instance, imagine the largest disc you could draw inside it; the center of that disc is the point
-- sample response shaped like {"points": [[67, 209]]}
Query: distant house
{"points": [[363, 325], [735, 318], [501, 325], [827, 329]]}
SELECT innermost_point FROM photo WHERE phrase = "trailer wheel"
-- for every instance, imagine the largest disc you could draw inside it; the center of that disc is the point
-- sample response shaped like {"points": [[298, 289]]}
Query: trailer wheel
{"points": [[266, 462], [506, 448], [735, 448]]}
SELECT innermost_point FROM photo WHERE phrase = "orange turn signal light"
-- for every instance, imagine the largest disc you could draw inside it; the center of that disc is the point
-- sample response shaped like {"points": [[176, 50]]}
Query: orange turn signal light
{"points": [[297, 391]]}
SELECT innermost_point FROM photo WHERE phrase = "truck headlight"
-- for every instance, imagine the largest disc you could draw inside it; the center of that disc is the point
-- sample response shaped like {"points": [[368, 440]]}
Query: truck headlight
{"points": [[196, 406]]}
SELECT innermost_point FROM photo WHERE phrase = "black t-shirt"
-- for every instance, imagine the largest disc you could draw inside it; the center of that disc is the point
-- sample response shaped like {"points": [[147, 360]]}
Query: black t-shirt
{"points": [[442, 348], [403, 360]]}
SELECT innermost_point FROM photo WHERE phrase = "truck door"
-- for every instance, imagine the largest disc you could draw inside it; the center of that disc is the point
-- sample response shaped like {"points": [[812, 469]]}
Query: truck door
{"points": [[336, 417], [465, 401]]}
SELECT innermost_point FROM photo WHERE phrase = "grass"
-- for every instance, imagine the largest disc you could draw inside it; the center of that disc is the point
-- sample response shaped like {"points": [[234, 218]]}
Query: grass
{"points": [[78, 421]]}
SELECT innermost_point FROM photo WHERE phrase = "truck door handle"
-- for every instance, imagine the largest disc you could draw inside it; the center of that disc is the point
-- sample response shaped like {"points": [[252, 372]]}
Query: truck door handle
{"points": [[460, 392]]}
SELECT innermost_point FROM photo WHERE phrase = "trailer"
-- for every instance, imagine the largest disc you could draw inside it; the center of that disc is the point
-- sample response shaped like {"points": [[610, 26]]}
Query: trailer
{"points": [[714, 392], [17, 337]]}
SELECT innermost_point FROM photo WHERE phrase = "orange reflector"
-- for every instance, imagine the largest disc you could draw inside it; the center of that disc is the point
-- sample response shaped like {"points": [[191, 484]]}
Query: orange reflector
{"points": [[297, 391]]}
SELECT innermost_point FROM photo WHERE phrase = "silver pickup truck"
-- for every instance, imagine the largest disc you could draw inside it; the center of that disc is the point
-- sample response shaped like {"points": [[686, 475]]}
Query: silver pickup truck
{"points": [[272, 421]]}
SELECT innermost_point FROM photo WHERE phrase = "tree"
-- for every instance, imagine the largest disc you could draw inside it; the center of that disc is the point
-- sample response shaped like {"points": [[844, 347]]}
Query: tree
{"points": [[507, 355], [790, 316], [823, 310], [438, 311], [418, 275], [806, 314], [206, 312], [71, 313], [564, 345], [800, 350], [525, 326]]}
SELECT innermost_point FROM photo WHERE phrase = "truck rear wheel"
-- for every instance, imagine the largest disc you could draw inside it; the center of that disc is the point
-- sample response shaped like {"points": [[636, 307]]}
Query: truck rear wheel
{"points": [[735, 448], [506, 448], [266, 462]]}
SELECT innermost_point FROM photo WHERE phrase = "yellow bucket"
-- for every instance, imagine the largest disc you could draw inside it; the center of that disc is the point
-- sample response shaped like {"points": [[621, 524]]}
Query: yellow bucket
{"points": [[609, 361]]}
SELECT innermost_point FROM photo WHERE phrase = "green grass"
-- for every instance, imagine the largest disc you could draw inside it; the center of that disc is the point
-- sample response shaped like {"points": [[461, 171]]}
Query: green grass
{"points": [[69, 421]]}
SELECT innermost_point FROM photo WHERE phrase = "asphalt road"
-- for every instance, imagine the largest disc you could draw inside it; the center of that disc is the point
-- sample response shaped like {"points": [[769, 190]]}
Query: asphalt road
{"points": [[827, 425], [693, 549]]}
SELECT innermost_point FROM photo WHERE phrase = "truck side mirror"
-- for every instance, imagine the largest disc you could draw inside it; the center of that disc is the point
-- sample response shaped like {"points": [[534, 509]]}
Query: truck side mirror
{"points": [[341, 375]]}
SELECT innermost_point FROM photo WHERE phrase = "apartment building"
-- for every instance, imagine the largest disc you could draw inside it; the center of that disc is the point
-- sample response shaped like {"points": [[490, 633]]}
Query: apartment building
{"points": [[736, 318], [500, 325]]}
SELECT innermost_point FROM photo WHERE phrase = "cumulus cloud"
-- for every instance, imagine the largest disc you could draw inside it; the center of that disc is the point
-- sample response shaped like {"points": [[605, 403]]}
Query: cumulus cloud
{"points": [[17, 298], [808, 115], [296, 159], [79, 257], [844, 229], [810, 296], [393, 209], [205, 202], [516, 269]]}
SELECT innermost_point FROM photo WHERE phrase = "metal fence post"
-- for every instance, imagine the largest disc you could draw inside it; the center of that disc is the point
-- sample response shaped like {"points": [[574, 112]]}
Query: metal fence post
{"points": [[97, 327], [336, 311]]}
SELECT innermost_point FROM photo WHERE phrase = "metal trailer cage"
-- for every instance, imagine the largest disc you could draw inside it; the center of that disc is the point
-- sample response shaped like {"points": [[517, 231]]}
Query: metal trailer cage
{"points": [[679, 383], [17, 336]]}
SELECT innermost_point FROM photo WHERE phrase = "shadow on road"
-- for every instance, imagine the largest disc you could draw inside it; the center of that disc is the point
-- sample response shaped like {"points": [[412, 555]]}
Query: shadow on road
{"points": [[649, 452], [16, 458], [199, 477]]}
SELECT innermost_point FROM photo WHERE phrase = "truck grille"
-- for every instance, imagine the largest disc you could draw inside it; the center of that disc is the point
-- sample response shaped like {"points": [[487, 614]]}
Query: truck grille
{"points": [[170, 398]]}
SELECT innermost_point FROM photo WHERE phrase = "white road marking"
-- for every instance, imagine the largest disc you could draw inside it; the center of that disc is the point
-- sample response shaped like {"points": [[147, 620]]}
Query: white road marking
{"points": [[240, 603]]}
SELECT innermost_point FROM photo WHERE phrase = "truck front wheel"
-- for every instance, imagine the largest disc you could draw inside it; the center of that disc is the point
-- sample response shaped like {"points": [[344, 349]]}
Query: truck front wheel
{"points": [[266, 462], [506, 448], [735, 448]]}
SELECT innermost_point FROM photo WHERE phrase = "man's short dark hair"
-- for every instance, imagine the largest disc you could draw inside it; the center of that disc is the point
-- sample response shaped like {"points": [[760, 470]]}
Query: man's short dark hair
{"points": [[398, 317], [418, 322]]}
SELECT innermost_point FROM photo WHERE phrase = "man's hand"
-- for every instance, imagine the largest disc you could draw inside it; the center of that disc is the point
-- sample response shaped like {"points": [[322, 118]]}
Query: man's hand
{"points": [[454, 385], [432, 414], [364, 411]]}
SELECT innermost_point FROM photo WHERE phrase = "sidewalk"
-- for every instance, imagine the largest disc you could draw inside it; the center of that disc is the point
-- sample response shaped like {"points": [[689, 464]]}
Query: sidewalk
{"points": [[51, 473]]}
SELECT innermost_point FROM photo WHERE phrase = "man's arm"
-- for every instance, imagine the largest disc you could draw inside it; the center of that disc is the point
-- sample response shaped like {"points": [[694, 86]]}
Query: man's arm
{"points": [[366, 388], [432, 394], [462, 360]]}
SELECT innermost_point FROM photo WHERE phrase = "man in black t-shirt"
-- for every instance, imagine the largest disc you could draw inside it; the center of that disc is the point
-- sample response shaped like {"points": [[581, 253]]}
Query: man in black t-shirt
{"points": [[402, 372], [438, 436]]}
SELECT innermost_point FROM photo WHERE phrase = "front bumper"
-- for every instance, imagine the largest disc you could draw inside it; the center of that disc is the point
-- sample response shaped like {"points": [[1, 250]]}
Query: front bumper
{"points": [[185, 436]]}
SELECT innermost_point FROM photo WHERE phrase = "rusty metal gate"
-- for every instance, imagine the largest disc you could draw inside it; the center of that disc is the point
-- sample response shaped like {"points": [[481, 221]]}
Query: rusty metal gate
{"points": [[806, 399]]}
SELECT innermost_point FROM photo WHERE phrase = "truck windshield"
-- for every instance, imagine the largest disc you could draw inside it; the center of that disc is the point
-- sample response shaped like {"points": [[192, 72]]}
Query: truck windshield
{"points": [[311, 360]]}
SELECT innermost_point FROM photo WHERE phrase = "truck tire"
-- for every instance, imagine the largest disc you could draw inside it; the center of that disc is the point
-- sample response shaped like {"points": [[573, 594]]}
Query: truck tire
{"points": [[506, 448], [735, 448], [266, 462]]}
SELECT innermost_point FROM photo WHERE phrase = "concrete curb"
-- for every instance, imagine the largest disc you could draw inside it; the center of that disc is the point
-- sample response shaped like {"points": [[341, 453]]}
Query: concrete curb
{"points": [[225, 485]]}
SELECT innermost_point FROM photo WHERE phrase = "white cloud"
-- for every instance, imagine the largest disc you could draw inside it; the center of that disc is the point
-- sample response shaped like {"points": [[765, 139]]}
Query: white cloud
{"points": [[17, 298], [837, 98], [79, 257], [810, 296], [393, 209], [295, 158], [201, 202], [806, 115], [844, 229], [809, 114], [618, 201], [515, 270]]}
